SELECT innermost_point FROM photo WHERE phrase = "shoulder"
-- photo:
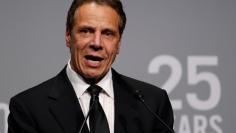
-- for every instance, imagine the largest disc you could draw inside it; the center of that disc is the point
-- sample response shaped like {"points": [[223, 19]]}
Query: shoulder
{"points": [[43, 89], [138, 85], [37, 92]]}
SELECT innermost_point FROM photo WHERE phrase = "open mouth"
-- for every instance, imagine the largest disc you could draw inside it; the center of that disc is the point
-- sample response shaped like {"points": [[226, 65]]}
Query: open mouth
{"points": [[93, 61], [93, 58]]}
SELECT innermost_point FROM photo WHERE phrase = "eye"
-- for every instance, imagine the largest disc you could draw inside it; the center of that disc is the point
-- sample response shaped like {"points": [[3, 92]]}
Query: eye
{"points": [[108, 33], [85, 31]]}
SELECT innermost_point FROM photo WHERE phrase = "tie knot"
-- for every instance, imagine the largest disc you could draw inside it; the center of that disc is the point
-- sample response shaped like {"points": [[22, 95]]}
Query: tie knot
{"points": [[94, 90]]}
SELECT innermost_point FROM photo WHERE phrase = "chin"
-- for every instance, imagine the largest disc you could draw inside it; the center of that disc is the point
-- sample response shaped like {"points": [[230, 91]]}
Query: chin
{"points": [[93, 74]]}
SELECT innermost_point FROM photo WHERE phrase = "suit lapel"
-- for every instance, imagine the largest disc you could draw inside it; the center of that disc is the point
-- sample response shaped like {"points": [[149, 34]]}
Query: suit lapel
{"points": [[125, 106], [64, 105]]}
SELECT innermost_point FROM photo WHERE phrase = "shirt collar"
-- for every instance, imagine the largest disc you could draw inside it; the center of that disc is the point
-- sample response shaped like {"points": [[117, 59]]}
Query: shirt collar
{"points": [[80, 86]]}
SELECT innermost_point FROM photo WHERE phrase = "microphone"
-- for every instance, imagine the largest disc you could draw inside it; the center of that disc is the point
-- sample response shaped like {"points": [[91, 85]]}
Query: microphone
{"points": [[86, 118], [140, 98]]}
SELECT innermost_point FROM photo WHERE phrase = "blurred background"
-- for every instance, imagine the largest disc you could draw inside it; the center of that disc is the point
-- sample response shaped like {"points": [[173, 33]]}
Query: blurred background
{"points": [[184, 46]]}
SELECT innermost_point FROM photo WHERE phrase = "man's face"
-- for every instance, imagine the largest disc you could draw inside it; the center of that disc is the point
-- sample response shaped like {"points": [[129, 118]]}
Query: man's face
{"points": [[94, 40]]}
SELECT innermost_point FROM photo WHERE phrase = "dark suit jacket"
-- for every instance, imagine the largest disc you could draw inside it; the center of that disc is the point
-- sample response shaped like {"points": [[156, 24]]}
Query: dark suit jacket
{"points": [[52, 107]]}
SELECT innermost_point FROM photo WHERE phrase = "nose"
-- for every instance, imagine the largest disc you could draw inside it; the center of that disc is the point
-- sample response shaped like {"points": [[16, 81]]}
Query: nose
{"points": [[96, 42]]}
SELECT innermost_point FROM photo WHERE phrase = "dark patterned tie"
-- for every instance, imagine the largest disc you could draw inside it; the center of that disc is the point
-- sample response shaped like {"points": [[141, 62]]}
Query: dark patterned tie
{"points": [[97, 118]]}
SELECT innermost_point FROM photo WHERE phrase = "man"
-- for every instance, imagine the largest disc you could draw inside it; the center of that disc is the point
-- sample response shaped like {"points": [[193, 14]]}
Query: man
{"points": [[93, 34]]}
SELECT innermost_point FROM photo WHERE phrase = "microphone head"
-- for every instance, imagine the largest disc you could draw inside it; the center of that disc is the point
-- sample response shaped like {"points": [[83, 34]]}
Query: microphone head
{"points": [[138, 95]]}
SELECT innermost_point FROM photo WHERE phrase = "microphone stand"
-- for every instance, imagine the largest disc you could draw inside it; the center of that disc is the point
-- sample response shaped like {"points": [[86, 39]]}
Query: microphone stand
{"points": [[86, 118], [140, 97]]}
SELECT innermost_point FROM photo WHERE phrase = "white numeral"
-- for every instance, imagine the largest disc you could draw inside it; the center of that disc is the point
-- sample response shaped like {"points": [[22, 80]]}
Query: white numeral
{"points": [[4, 108], [195, 77], [176, 74]]}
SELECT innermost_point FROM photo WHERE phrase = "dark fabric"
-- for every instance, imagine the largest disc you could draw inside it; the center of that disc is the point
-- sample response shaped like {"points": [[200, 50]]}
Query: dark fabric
{"points": [[52, 107], [97, 118]]}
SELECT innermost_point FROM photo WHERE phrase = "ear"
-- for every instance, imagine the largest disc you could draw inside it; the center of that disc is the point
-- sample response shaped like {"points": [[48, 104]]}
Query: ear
{"points": [[68, 39]]}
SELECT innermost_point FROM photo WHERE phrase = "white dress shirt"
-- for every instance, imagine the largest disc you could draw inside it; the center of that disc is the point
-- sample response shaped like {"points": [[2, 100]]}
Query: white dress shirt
{"points": [[106, 97]]}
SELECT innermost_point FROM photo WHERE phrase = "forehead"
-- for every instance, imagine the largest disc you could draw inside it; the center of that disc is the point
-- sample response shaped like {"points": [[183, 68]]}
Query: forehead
{"points": [[96, 13]]}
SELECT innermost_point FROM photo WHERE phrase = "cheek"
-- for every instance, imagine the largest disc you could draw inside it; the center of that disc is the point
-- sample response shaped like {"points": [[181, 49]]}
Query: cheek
{"points": [[75, 50], [117, 48], [113, 51], [78, 45], [81, 44], [113, 46]]}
